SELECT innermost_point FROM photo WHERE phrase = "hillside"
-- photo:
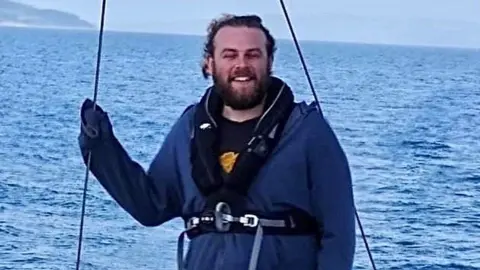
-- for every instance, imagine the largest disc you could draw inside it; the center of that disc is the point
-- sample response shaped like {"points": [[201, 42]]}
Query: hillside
{"points": [[17, 14]]}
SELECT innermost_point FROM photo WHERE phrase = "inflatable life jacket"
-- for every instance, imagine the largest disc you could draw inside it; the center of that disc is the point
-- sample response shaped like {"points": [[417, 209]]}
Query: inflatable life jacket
{"points": [[225, 209]]}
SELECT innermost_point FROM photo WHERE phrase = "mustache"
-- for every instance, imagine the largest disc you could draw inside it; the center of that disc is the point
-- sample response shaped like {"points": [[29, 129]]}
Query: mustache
{"points": [[245, 72]]}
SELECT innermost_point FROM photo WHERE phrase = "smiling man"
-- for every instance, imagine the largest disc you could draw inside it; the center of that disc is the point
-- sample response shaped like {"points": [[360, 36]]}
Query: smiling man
{"points": [[260, 180]]}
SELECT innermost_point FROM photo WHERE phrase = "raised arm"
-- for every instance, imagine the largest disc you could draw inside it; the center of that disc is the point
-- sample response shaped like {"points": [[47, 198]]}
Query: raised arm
{"points": [[151, 197], [333, 197]]}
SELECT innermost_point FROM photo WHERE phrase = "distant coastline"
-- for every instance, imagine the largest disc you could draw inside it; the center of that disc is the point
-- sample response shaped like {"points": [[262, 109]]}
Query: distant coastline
{"points": [[332, 28], [14, 14], [4, 24]]}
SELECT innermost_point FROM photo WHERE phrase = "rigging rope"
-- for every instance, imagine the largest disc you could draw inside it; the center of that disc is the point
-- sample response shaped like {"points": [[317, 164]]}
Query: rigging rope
{"points": [[299, 51], [95, 93]]}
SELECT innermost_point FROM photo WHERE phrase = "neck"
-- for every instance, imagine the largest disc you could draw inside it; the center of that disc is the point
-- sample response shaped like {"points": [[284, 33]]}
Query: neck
{"points": [[243, 115]]}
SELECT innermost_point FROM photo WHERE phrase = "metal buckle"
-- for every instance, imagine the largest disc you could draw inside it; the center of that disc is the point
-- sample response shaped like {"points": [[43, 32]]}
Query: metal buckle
{"points": [[221, 223], [193, 222], [249, 220], [203, 220], [258, 145]]}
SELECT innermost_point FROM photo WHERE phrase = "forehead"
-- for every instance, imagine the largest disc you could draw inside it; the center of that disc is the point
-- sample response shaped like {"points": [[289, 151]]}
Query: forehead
{"points": [[240, 38]]}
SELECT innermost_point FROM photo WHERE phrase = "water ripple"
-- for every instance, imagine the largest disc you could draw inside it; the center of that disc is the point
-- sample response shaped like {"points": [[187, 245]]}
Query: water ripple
{"points": [[407, 118]]}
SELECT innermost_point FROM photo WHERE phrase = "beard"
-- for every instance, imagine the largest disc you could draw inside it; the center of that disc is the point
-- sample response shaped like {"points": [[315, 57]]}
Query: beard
{"points": [[245, 97]]}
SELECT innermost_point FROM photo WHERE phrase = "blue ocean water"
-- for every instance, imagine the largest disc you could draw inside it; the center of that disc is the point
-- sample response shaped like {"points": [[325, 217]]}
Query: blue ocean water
{"points": [[407, 117]]}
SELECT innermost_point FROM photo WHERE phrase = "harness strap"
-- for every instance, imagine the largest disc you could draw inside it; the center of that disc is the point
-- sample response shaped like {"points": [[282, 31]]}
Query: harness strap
{"points": [[253, 256], [281, 223], [257, 242], [221, 220]]}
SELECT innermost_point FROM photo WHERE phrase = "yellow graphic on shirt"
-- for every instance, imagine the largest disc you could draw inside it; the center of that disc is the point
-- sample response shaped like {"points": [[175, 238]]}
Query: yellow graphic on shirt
{"points": [[227, 160]]}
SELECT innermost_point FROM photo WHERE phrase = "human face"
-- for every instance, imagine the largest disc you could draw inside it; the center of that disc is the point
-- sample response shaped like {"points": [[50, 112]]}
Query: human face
{"points": [[240, 66]]}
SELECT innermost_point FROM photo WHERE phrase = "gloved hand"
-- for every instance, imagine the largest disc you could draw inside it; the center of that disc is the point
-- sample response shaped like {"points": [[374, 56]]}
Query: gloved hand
{"points": [[95, 125]]}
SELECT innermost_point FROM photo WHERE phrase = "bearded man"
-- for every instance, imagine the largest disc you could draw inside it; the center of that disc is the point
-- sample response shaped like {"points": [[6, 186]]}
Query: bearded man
{"points": [[261, 181]]}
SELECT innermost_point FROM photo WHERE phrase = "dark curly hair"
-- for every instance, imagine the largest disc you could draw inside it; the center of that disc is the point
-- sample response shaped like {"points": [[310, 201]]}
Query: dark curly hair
{"points": [[252, 21]]}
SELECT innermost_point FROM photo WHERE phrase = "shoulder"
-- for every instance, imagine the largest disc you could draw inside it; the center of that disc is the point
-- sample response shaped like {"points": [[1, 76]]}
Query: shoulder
{"points": [[186, 116], [309, 116], [188, 109], [312, 121], [182, 126]]}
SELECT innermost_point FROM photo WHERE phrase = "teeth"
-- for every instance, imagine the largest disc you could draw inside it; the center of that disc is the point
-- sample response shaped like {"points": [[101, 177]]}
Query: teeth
{"points": [[242, 79]]}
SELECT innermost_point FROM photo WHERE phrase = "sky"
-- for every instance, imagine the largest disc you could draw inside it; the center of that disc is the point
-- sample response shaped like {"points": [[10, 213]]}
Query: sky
{"points": [[412, 22]]}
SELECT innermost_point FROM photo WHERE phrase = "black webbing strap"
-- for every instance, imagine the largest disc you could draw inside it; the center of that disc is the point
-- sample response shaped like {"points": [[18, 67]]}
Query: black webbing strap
{"points": [[283, 223]]}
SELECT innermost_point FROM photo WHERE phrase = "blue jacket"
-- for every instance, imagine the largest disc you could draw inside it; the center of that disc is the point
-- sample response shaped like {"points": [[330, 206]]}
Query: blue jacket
{"points": [[308, 170]]}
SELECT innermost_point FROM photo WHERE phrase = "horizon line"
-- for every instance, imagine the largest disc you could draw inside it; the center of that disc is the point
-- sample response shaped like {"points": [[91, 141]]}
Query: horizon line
{"points": [[197, 35]]}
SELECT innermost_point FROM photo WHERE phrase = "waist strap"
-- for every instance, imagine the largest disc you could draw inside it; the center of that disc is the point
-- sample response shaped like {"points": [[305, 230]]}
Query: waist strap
{"points": [[293, 222]]}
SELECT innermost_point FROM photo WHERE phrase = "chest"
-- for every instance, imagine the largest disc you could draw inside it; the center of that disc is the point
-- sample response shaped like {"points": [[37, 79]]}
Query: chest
{"points": [[282, 182], [231, 140]]}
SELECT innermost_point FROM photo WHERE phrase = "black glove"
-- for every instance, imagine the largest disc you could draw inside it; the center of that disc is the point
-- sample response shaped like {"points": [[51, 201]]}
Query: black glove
{"points": [[95, 125]]}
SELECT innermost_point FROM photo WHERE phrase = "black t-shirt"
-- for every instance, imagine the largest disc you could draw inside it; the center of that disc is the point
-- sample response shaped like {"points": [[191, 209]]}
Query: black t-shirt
{"points": [[233, 137]]}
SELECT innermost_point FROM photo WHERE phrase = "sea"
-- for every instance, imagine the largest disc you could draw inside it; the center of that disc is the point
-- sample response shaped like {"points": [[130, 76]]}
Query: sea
{"points": [[407, 117]]}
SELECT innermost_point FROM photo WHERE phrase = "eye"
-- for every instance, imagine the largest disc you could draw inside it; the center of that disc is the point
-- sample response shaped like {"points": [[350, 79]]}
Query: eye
{"points": [[253, 55], [229, 55]]}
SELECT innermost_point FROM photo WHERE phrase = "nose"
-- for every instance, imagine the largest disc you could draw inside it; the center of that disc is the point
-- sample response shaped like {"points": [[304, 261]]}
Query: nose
{"points": [[241, 61]]}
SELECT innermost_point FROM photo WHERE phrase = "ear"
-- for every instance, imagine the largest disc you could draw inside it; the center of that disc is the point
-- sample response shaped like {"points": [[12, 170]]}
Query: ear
{"points": [[209, 65], [270, 62]]}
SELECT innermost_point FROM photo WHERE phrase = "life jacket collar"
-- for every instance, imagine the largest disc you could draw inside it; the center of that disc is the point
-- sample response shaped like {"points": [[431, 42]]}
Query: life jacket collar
{"points": [[206, 170]]}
